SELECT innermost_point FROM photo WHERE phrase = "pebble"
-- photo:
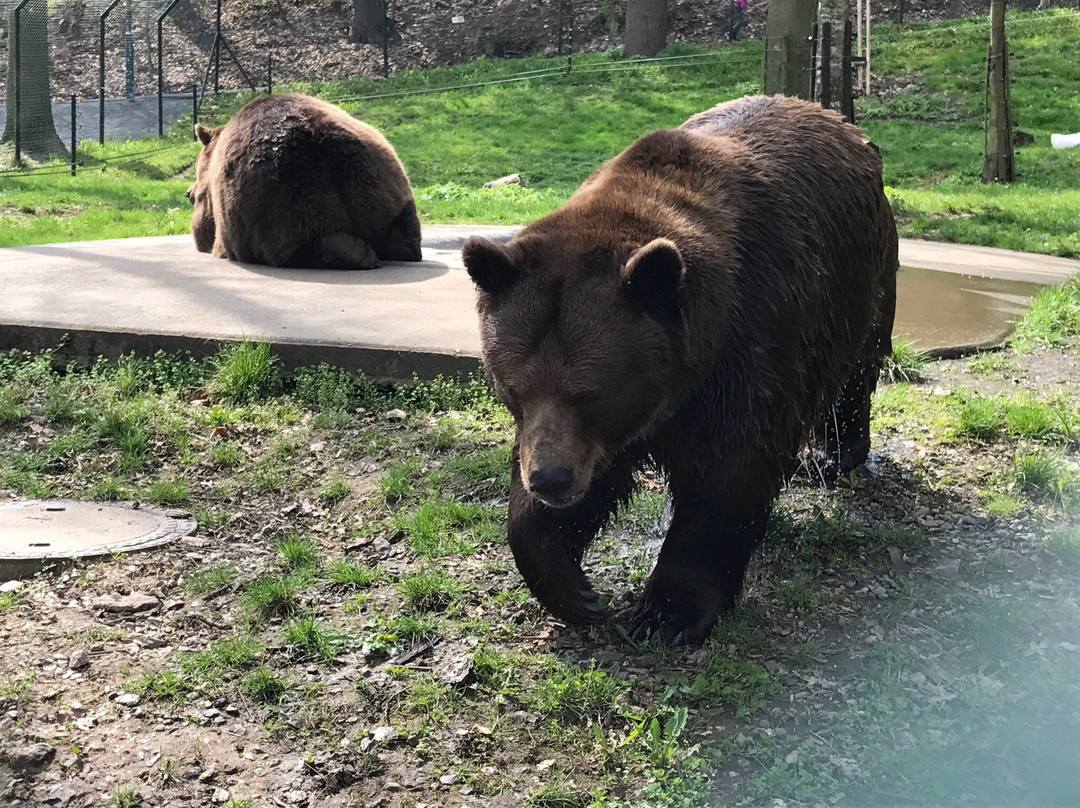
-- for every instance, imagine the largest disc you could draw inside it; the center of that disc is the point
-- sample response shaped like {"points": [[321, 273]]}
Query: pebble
{"points": [[128, 699], [30, 758], [78, 660], [395, 415], [10, 586], [221, 795], [125, 604], [382, 734]]}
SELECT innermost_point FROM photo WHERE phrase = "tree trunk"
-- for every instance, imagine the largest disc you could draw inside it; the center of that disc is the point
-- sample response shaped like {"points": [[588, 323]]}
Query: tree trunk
{"points": [[646, 27], [368, 22], [787, 67], [998, 157], [833, 12], [37, 132]]}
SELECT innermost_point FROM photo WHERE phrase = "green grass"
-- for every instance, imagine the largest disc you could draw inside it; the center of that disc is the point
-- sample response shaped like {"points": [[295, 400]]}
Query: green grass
{"points": [[1045, 475], [354, 574], [124, 797], [210, 579], [299, 553], [429, 590], [556, 128], [310, 640], [905, 364], [245, 372], [1053, 318]]}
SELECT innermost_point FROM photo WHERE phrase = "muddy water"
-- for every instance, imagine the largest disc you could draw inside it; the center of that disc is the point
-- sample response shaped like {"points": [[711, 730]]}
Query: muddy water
{"points": [[945, 312]]}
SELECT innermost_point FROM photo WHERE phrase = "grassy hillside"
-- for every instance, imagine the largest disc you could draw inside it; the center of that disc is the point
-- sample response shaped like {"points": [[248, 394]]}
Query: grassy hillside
{"points": [[532, 117]]}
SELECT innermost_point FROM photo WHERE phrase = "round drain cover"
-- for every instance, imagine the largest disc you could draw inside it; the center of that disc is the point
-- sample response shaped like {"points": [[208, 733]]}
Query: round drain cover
{"points": [[35, 532]]}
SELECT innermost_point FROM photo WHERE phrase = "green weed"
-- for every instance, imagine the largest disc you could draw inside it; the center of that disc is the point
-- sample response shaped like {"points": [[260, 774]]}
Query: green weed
{"points": [[567, 690], [992, 364], [980, 418], [264, 686], [274, 595], [164, 491], [1045, 476], [1064, 541], [905, 364], [124, 797], [299, 553], [245, 372], [1054, 317], [353, 574], [440, 527]]}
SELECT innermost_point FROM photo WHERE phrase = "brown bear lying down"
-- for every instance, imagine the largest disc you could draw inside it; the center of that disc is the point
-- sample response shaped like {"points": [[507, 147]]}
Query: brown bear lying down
{"points": [[292, 181], [708, 301]]}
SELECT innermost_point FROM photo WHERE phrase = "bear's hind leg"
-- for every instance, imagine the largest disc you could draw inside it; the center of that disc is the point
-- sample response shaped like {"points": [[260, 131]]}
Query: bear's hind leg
{"points": [[343, 250], [700, 570]]}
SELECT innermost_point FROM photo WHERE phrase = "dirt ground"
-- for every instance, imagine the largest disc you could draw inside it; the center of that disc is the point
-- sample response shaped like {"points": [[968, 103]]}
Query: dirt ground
{"points": [[901, 640]]}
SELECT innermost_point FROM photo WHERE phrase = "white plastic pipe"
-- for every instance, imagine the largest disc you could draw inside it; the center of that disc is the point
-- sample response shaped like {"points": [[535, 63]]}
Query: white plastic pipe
{"points": [[1065, 141]]}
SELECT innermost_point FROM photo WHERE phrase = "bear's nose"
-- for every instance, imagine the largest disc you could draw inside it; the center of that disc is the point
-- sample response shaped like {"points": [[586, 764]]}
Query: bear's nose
{"points": [[551, 481]]}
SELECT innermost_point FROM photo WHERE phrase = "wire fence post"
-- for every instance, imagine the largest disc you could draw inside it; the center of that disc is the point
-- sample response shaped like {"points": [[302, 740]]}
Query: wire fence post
{"points": [[16, 77], [847, 95], [101, 69], [129, 54], [74, 111], [385, 42], [269, 75], [161, 69], [194, 109]]}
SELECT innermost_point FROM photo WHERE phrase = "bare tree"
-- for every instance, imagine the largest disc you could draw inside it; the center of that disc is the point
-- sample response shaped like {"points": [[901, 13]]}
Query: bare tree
{"points": [[998, 155], [369, 21], [646, 27], [37, 132]]}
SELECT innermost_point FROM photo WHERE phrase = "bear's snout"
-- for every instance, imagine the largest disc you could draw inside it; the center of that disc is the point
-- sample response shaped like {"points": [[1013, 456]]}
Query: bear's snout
{"points": [[552, 482]]}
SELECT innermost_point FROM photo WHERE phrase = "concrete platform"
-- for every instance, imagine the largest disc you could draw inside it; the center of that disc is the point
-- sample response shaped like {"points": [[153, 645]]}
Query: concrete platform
{"points": [[108, 298]]}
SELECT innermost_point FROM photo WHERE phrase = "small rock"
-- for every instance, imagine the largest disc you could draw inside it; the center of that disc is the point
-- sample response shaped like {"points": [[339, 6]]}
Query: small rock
{"points": [[448, 779], [220, 796], [317, 447], [206, 775], [383, 734], [128, 699], [78, 660], [125, 604], [30, 758], [10, 586], [395, 415], [297, 798], [509, 179]]}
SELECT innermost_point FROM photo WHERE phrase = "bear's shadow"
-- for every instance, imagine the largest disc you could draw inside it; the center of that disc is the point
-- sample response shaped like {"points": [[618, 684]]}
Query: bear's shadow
{"points": [[389, 274]]}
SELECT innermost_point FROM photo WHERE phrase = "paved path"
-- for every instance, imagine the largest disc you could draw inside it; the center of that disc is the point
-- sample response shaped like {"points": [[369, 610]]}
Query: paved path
{"points": [[112, 297], [124, 119]]}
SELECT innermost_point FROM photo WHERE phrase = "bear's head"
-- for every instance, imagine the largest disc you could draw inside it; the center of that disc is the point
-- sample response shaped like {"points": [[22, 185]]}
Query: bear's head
{"points": [[202, 220], [582, 345]]}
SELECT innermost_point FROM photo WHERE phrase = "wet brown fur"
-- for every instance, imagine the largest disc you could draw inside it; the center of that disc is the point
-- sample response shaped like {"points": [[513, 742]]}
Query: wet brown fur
{"points": [[707, 301], [292, 180]]}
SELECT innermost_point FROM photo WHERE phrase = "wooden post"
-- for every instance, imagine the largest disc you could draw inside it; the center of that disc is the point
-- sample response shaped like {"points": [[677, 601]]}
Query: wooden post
{"points": [[998, 151], [786, 66], [847, 97]]}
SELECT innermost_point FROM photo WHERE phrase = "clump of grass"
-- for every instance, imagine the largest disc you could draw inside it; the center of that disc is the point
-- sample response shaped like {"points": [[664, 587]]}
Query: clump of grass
{"points": [[310, 639], [429, 590], [245, 372], [274, 595], [265, 686], [334, 490], [991, 364], [568, 690], [124, 797], [980, 418], [441, 527], [398, 479], [12, 406], [1045, 476], [905, 364], [1054, 317], [298, 553], [797, 593], [556, 795], [8, 601], [226, 454], [110, 489], [350, 573], [209, 579], [168, 492], [1031, 419]]}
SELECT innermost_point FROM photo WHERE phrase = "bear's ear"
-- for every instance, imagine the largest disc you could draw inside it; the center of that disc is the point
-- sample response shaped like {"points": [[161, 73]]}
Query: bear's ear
{"points": [[653, 274], [206, 134], [490, 265]]}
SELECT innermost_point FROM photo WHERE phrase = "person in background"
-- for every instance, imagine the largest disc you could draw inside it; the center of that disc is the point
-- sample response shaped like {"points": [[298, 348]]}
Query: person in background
{"points": [[738, 18]]}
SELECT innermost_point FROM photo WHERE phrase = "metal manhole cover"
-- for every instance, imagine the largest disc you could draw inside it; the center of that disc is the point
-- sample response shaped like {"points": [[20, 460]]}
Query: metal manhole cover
{"points": [[35, 532]]}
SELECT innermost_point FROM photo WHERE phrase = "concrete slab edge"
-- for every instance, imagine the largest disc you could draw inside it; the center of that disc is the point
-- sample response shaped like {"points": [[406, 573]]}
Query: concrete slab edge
{"points": [[382, 364]]}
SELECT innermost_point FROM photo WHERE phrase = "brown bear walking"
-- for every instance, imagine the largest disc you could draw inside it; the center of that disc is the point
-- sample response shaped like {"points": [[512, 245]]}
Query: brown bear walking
{"points": [[708, 301], [292, 181]]}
